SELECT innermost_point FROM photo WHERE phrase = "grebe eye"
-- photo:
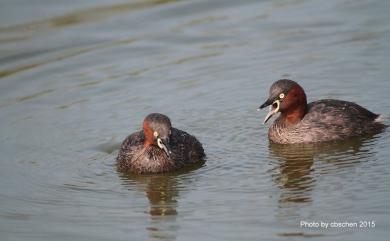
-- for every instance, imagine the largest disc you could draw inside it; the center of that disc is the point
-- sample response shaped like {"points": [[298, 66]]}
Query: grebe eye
{"points": [[281, 96], [155, 134]]}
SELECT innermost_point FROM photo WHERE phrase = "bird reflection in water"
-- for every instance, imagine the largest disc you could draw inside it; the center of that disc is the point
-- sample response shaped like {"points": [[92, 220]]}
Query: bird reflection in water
{"points": [[162, 192], [298, 165], [293, 172]]}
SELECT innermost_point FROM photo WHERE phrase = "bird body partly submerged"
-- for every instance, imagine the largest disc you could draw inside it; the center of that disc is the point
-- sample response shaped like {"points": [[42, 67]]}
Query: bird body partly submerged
{"points": [[323, 120], [138, 156], [326, 120]]}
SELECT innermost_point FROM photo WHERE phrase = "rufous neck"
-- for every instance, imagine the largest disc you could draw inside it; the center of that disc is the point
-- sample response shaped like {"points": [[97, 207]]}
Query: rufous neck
{"points": [[295, 115], [149, 138], [295, 106]]}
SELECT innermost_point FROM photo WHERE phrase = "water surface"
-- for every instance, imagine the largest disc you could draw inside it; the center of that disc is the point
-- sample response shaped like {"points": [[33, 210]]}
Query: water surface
{"points": [[77, 77]]}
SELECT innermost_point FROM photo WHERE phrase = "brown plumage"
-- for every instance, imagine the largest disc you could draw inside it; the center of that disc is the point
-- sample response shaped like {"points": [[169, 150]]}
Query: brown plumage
{"points": [[323, 120], [158, 148]]}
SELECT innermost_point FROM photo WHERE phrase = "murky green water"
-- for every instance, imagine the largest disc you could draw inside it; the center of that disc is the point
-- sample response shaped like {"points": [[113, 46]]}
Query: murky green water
{"points": [[76, 77]]}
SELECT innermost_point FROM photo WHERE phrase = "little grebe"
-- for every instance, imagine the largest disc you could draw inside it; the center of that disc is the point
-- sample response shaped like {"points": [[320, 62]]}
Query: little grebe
{"points": [[323, 120], [158, 148]]}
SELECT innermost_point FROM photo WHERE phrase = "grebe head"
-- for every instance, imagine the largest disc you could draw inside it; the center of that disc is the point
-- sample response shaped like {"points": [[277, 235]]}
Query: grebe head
{"points": [[157, 130], [288, 97]]}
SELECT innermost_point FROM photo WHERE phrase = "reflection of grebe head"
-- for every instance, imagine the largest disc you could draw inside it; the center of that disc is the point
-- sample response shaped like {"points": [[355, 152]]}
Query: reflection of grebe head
{"points": [[157, 130], [285, 96]]}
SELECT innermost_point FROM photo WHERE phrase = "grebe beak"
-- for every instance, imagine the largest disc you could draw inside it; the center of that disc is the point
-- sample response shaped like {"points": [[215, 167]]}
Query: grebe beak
{"points": [[265, 104], [163, 144], [273, 109]]}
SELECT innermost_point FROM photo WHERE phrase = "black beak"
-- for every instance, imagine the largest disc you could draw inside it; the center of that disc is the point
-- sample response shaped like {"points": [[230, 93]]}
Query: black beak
{"points": [[272, 110], [266, 103], [164, 144]]}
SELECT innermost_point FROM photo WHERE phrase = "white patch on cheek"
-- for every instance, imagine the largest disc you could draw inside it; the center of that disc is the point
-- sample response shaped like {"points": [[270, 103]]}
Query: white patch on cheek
{"points": [[272, 110], [162, 146], [155, 134], [275, 109], [159, 143]]}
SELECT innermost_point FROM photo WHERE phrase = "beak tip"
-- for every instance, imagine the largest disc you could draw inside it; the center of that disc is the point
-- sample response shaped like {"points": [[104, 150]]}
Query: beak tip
{"points": [[271, 112], [261, 107], [265, 104]]}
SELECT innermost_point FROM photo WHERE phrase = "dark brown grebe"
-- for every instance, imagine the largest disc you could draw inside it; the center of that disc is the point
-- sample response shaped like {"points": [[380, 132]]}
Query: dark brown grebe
{"points": [[158, 148], [323, 120]]}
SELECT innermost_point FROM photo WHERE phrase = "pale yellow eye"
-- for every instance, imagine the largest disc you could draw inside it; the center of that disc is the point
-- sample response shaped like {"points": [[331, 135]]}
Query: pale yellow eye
{"points": [[155, 133], [281, 96]]}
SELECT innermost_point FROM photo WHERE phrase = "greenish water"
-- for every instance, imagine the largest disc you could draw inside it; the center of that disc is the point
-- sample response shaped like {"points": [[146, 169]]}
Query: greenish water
{"points": [[76, 77]]}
